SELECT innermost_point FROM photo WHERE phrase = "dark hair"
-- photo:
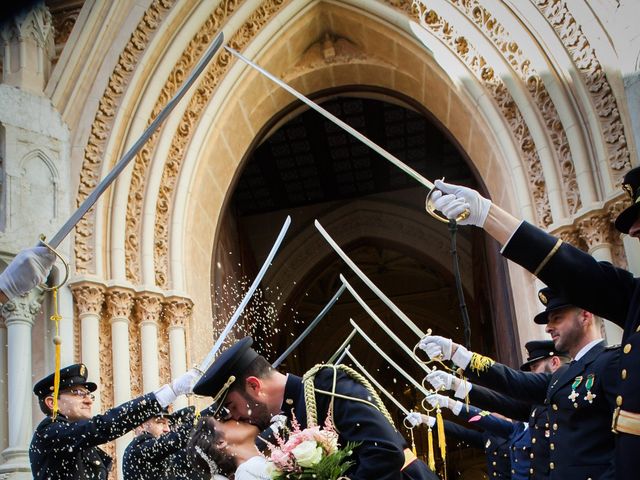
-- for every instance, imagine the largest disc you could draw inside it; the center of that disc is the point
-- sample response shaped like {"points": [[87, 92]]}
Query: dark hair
{"points": [[202, 443], [259, 367]]}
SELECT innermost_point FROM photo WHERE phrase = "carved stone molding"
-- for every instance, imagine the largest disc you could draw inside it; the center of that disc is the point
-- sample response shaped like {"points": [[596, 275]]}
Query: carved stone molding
{"points": [[88, 297], [584, 57], [596, 229], [616, 206], [571, 235], [64, 16], [35, 23], [523, 67], [148, 307], [190, 56], [119, 302], [103, 123], [211, 78], [177, 311], [484, 73]]}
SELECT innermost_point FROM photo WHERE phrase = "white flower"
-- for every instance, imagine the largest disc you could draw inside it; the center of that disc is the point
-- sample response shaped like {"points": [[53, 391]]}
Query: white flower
{"points": [[271, 470], [308, 453]]}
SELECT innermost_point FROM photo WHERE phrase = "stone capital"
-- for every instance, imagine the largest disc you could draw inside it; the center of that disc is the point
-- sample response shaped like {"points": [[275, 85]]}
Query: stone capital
{"points": [[571, 235], [148, 307], [595, 229], [616, 206], [119, 302], [177, 311], [23, 309], [89, 297]]}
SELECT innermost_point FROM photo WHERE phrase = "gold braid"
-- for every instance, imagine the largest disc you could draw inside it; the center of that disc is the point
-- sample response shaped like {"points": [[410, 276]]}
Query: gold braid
{"points": [[310, 392]]}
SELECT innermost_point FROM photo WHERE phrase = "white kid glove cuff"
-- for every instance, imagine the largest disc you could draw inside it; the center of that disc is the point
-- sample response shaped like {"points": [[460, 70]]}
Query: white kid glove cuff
{"points": [[462, 357], [165, 396], [463, 389], [456, 408]]}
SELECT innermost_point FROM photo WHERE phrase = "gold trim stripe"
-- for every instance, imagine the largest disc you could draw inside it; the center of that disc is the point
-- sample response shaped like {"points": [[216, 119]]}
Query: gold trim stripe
{"points": [[548, 257]]}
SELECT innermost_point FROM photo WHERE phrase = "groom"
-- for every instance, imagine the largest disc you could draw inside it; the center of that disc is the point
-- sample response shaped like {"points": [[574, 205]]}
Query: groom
{"points": [[250, 390]]}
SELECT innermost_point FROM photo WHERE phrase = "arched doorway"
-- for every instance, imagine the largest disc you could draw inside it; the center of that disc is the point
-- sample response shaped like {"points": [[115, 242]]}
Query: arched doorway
{"points": [[304, 166]]}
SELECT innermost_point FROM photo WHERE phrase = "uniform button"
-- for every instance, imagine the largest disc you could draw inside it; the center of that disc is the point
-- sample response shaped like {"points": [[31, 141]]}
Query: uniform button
{"points": [[552, 446], [552, 466], [531, 455], [533, 440], [546, 425], [494, 463], [289, 401], [555, 407], [623, 374], [531, 471], [627, 348], [555, 426], [619, 400]]}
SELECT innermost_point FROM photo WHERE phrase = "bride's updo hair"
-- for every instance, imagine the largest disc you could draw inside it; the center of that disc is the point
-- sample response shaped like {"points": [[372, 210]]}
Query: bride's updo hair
{"points": [[202, 447]]}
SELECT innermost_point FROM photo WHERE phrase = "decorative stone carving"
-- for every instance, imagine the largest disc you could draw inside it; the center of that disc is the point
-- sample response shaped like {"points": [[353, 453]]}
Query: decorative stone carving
{"points": [[103, 123], [479, 66], [330, 50], [571, 235], [177, 311], [35, 23], [22, 309], [148, 307], [616, 206], [106, 376], [522, 66], [584, 57], [211, 78], [64, 17], [595, 229], [119, 302], [88, 297]]}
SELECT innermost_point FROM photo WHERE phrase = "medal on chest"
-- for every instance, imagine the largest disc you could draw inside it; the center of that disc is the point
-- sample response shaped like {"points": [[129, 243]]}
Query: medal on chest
{"points": [[588, 385], [573, 395]]}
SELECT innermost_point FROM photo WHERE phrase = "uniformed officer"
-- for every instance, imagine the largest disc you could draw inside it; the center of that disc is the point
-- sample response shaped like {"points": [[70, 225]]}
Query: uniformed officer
{"points": [[158, 449], [29, 268], [66, 447], [542, 357], [610, 292], [252, 391], [581, 397]]}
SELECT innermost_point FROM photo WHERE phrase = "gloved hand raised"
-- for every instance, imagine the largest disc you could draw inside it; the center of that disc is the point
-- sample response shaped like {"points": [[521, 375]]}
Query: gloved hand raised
{"points": [[414, 419], [29, 268], [441, 380], [182, 385], [435, 399], [436, 347], [452, 200]]}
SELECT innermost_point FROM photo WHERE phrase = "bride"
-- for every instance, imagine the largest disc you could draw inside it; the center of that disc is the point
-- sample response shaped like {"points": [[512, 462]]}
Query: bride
{"points": [[228, 448]]}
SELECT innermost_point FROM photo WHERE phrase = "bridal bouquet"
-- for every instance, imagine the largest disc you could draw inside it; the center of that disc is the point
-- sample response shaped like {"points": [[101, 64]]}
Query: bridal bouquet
{"points": [[311, 453]]}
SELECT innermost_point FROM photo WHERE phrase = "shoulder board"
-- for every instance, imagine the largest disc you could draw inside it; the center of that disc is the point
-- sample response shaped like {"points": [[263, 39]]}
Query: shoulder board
{"points": [[612, 347]]}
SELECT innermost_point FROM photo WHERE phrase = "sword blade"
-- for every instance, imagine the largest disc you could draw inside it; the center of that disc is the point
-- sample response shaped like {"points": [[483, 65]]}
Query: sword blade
{"points": [[342, 347], [342, 355], [131, 153], [236, 315], [310, 328], [394, 308], [376, 383], [381, 324], [388, 359], [328, 115]]}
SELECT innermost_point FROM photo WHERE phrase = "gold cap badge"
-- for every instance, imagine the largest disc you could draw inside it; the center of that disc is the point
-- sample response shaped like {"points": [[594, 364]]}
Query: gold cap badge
{"points": [[542, 298], [628, 189], [83, 370]]}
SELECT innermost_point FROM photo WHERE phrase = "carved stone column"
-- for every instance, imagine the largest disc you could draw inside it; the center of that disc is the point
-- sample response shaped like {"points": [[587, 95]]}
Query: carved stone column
{"points": [[4, 407], [119, 305], [19, 316], [177, 311], [89, 298], [148, 310], [597, 231]]}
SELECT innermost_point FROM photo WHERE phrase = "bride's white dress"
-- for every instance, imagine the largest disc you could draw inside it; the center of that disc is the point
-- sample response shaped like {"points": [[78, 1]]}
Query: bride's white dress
{"points": [[253, 469]]}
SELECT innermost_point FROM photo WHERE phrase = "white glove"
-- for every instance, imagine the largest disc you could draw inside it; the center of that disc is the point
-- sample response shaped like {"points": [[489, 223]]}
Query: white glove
{"points": [[278, 422], [440, 380], [183, 385], [435, 399], [414, 419], [29, 268], [453, 200], [436, 346], [462, 357]]}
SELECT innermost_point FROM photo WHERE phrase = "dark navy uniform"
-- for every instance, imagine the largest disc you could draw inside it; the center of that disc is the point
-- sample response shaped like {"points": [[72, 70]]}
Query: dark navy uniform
{"points": [[69, 450], [381, 453], [149, 457], [64, 450], [580, 400], [607, 291]]}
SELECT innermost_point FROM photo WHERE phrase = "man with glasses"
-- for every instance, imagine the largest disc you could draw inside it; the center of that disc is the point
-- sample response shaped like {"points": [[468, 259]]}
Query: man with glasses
{"points": [[65, 445]]}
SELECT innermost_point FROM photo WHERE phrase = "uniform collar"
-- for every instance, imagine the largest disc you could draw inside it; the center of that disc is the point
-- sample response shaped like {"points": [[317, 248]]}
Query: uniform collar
{"points": [[584, 350], [293, 390]]}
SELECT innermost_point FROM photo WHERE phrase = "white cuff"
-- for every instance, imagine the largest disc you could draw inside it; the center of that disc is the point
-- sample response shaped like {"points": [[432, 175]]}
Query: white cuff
{"points": [[463, 389], [456, 408], [165, 396], [462, 357]]}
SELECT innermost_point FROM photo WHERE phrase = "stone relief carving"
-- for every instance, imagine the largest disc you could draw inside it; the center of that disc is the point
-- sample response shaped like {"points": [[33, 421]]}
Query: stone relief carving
{"points": [[64, 18], [584, 57], [103, 123], [477, 64], [35, 23], [177, 311], [22, 309], [511, 51], [88, 298], [106, 376], [595, 229], [181, 139], [189, 57], [119, 302]]}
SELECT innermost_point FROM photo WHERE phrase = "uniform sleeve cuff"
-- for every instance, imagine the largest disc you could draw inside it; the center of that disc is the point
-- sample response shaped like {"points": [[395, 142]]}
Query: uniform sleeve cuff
{"points": [[530, 247], [462, 357], [456, 408], [165, 396]]}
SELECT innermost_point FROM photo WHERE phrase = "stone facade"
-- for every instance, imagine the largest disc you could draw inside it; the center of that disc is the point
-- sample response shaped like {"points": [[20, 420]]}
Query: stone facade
{"points": [[549, 128]]}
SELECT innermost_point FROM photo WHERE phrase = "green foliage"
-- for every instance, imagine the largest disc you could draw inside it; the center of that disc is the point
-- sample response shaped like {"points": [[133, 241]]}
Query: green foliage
{"points": [[331, 467]]}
